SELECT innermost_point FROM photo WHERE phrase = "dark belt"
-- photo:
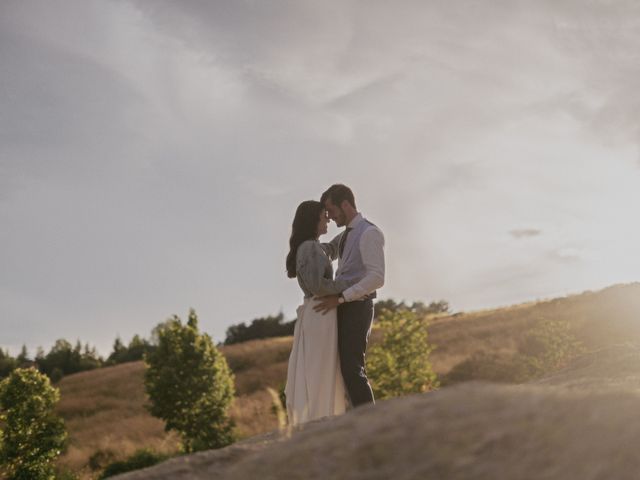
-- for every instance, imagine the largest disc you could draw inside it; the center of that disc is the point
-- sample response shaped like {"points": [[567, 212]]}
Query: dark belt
{"points": [[371, 296]]}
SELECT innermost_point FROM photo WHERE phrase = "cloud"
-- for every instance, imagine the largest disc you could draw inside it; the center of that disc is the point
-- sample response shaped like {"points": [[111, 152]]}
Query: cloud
{"points": [[566, 255], [525, 233], [153, 153]]}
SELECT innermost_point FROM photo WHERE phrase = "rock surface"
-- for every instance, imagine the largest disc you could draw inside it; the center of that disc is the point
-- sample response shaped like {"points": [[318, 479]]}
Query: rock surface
{"points": [[578, 424]]}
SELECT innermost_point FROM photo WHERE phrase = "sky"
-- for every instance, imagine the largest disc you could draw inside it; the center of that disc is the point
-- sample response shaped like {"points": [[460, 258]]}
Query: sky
{"points": [[153, 153]]}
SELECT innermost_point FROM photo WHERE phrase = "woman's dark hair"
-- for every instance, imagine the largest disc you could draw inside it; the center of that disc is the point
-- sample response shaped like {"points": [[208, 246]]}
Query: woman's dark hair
{"points": [[304, 227]]}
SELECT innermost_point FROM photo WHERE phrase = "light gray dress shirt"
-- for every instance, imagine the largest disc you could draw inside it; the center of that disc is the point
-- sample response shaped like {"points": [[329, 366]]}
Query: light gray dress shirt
{"points": [[371, 247]]}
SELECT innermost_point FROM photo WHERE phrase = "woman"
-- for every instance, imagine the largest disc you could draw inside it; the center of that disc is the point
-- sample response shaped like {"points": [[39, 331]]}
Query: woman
{"points": [[315, 387]]}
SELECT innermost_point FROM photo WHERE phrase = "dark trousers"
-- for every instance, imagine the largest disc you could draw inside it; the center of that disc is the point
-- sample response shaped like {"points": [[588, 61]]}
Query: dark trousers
{"points": [[354, 327]]}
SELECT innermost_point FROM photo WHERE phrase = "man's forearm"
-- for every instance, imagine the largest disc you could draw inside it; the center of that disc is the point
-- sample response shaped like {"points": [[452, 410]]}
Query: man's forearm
{"points": [[369, 284]]}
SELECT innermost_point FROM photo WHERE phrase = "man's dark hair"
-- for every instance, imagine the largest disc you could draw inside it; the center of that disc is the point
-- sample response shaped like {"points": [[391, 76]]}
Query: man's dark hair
{"points": [[338, 193]]}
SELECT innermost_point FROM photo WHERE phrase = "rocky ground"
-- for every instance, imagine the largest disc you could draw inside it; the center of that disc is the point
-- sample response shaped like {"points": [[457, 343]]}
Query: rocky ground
{"points": [[578, 424]]}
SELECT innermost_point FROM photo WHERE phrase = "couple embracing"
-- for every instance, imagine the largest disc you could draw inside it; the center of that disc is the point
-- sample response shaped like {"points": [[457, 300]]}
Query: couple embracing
{"points": [[326, 374]]}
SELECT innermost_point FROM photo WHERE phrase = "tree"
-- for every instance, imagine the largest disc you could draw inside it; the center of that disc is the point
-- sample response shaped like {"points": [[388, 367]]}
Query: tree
{"points": [[136, 350], [7, 363], [89, 359], [419, 308], [190, 385], [63, 359], [119, 352], [32, 434], [263, 327], [23, 357], [400, 365], [60, 356]]}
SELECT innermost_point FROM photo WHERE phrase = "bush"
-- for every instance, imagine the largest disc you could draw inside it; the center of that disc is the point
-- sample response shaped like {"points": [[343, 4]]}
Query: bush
{"points": [[66, 474], [419, 308], [140, 459], [32, 435], [100, 459], [400, 364], [190, 386], [547, 347], [490, 367]]}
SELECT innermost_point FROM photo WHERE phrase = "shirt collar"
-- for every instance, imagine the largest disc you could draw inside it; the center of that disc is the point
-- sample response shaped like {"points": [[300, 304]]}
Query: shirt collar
{"points": [[356, 220]]}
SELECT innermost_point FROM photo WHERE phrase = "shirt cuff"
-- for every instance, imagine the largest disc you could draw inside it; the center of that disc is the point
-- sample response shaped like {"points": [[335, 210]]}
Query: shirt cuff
{"points": [[349, 295]]}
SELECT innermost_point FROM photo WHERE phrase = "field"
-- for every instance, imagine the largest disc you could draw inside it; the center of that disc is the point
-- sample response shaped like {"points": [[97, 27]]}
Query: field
{"points": [[104, 409]]}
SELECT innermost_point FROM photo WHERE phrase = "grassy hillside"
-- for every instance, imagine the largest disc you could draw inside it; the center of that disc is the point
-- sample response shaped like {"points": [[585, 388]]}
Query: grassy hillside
{"points": [[106, 419], [104, 408], [598, 319]]}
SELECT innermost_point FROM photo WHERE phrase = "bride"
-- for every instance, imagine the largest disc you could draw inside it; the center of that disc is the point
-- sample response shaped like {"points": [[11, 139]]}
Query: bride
{"points": [[315, 387]]}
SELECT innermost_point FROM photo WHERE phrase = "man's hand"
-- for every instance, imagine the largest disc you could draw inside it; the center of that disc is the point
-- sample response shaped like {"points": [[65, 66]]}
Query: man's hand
{"points": [[326, 303]]}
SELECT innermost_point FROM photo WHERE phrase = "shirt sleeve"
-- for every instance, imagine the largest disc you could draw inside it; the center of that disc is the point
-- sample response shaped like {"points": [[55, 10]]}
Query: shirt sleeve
{"points": [[311, 261], [372, 251], [331, 248]]}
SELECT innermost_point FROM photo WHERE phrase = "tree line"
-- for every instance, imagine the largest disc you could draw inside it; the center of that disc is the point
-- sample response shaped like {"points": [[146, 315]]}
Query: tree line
{"points": [[65, 358], [277, 326]]}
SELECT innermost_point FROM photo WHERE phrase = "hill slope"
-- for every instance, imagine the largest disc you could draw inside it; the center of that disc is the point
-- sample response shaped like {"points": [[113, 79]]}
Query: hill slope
{"points": [[104, 408], [550, 430], [106, 419]]}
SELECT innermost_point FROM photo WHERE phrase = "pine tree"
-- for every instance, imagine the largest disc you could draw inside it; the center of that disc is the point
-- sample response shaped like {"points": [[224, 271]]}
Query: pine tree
{"points": [[23, 358]]}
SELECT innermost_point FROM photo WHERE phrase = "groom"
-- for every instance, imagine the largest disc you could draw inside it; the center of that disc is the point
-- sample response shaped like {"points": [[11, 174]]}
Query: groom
{"points": [[360, 252]]}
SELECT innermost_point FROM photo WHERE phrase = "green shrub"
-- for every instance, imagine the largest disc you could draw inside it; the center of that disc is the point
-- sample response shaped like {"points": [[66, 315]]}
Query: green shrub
{"points": [[32, 435], [100, 459], [490, 367], [400, 364], [140, 459], [190, 386], [547, 347], [66, 474]]}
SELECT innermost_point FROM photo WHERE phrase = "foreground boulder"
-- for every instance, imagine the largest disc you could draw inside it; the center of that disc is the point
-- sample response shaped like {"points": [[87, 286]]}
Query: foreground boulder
{"points": [[568, 428]]}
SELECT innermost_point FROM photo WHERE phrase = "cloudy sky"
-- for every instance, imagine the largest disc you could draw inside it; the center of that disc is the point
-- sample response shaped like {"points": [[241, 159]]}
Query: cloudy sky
{"points": [[152, 153]]}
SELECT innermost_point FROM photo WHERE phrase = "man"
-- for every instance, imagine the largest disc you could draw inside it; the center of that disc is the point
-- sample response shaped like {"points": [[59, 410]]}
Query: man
{"points": [[360, 253]]}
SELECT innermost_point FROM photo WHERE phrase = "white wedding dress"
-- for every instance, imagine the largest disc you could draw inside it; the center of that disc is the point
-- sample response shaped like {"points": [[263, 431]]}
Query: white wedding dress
{"points": [[315, 387]]}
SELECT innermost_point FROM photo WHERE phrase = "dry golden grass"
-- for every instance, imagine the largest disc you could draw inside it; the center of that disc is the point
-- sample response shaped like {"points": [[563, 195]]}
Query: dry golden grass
{"points": [[259, 363], [597, 319], [252, 414], [104, 409]]}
